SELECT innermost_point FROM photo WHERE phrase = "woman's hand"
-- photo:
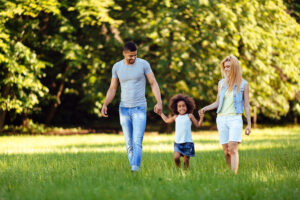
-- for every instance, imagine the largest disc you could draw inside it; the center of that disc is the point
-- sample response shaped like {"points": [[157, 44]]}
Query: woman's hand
{"points": [[201, 111], [248, 130], [201, 114]]}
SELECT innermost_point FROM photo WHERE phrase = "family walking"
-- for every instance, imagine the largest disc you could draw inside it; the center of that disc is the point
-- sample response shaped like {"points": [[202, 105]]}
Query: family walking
{"points": [[232, 101]]}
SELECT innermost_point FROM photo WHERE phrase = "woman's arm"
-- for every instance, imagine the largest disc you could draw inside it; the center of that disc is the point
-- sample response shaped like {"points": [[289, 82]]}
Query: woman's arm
{"points": [[168, 120], [213, 105], [194, 120], [247, 109]]}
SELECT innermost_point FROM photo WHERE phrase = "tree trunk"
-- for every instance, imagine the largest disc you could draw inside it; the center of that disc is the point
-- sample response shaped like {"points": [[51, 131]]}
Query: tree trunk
{"points": [[3, 112], [2, 119], [58, 95], [55, 105], [254, 117], [295, 118], [25, 120]]}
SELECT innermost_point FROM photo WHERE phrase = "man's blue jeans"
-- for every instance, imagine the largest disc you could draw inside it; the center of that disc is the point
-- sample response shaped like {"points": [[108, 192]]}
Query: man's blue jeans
{"points": [[133, 122]]}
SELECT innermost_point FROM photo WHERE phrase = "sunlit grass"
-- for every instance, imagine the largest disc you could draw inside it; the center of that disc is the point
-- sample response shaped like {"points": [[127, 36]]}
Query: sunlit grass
{"points": [[204, 141], [96, 167]]}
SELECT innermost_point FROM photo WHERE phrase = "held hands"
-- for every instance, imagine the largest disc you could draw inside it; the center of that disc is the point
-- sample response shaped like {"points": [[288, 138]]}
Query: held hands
{"points": [[201, 115], [248, 130], [201, 112], [158, 108], [104, 111]]}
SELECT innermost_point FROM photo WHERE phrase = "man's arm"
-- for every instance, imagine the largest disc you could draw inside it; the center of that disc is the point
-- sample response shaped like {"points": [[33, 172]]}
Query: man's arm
{"points": [[111, 92], [156, 92]]}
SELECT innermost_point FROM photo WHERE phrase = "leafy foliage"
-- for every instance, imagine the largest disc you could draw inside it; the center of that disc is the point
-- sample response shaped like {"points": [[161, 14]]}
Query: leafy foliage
{"points": [[58, 55]]}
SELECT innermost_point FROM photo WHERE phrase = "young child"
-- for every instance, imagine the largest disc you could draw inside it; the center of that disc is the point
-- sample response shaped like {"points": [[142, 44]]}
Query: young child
{"points": [[182, 107]]}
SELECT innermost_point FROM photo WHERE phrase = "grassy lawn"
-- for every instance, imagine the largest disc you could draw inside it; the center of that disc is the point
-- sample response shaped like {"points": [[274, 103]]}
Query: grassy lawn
{"points": [[96, 167]]}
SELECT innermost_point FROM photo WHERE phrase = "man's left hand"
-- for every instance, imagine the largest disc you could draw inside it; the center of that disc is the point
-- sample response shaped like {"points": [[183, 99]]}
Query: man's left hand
{"points": [[158, 108]]}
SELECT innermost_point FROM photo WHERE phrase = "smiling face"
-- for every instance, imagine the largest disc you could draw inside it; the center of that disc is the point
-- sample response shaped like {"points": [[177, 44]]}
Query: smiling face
{"points": [[227, 67], [129, 57], [181, 107], [232, 72]]}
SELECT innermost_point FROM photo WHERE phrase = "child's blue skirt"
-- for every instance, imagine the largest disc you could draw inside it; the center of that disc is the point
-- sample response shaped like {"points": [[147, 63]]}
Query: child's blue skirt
{"points": [[185, 149]]}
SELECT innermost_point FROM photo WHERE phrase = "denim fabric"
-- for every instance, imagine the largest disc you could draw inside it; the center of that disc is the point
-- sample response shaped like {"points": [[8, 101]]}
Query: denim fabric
{"points": [[238, 97], [133, 122], [185, 149]]}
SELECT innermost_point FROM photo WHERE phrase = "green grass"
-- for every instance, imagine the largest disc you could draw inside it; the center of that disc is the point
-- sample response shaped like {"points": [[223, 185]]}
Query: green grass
{"points": [[96, 167]]}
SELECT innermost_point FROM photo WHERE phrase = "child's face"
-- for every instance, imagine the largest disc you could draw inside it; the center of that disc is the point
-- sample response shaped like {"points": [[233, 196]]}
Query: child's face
{"points": [[181, 107]]}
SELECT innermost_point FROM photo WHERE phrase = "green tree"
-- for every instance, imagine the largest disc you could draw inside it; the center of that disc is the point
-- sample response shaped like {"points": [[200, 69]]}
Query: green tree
{"points": [[21, 70], [59, 54], [186, 40], [66, 35]]}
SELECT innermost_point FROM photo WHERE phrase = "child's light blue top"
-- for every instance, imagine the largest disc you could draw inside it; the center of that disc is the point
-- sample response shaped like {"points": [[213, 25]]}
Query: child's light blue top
{"points": [[183, 129]]}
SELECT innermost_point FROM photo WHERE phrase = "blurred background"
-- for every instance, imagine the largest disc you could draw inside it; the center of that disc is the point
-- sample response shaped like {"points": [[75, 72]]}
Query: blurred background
{"points": [[56, 58]]}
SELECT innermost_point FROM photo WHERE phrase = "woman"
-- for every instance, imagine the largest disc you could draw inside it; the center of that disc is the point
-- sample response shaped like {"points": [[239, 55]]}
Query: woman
{"points": [[232, 100]]}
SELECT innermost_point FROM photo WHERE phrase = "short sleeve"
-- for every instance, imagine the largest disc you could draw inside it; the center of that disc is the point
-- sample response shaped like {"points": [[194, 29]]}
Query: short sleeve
{"points": [[147, 68], [114, 71]]}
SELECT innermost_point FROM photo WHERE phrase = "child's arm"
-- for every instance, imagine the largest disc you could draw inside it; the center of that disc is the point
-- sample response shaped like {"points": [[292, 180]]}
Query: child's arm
{"points": [[168, 120], [195, 121]]}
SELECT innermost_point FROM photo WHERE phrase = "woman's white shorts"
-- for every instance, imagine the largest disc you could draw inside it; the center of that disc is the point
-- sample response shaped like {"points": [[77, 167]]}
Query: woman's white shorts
{"points": [[230, 128]]}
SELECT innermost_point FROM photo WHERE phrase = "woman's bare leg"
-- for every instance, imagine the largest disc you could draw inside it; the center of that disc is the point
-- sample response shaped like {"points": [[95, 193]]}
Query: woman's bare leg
{"points": [[234, 154], [227, 154]]}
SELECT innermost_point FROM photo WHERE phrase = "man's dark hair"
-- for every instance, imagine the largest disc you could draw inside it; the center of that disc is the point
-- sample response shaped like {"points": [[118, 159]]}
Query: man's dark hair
{"points": [[129, 46]]}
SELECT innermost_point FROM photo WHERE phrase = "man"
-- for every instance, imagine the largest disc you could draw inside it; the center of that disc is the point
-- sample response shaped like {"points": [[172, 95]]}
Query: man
{"points": [[132, 72]]}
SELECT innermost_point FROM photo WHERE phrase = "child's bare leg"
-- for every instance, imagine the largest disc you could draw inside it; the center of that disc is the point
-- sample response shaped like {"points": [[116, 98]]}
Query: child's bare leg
{"points": [[186, 161], [177, 158]]}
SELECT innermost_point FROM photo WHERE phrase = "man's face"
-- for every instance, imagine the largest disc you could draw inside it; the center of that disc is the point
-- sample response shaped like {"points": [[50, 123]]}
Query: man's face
{"points": [[130, 56]]}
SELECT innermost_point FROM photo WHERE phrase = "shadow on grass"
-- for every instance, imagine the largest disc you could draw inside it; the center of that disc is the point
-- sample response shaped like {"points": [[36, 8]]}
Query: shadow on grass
{"points": [[252, 159], [122, 144]]}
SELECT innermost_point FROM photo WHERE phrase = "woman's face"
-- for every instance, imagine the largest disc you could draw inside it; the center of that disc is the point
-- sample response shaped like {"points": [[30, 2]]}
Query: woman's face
{"points": [[227, 67], [181, 107]]}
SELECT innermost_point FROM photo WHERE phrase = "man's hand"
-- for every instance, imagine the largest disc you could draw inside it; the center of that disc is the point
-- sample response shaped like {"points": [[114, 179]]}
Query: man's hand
{"points": [[248, 130], [158, 108], [104, 111]]}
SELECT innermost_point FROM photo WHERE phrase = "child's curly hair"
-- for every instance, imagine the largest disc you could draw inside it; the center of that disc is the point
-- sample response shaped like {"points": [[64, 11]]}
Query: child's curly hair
{"points": [[190, 103]]}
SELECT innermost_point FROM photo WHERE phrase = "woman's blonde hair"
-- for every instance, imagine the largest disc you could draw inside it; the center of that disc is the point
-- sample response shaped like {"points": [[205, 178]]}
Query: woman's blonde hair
{"points": [[235, 73]]}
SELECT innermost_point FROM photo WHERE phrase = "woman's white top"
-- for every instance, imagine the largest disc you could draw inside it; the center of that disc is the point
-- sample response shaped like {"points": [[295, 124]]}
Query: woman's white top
{"points": [[183, 129]]}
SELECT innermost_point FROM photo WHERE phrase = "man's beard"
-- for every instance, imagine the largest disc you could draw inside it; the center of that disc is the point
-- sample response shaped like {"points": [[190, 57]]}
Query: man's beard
{"points": [[131, 61]]}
